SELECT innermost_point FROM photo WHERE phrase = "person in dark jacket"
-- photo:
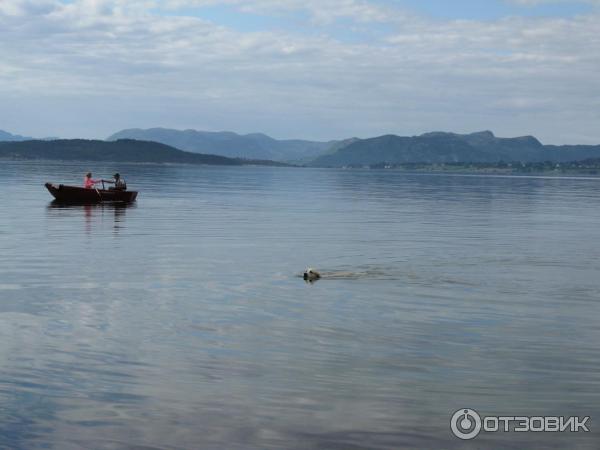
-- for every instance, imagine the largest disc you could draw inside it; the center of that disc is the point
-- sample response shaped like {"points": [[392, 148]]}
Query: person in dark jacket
{"points": [[119, 183]]}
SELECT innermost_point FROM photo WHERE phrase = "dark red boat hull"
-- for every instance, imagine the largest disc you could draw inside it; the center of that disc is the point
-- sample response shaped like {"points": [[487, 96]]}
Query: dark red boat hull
{"points": [[73, 194]]}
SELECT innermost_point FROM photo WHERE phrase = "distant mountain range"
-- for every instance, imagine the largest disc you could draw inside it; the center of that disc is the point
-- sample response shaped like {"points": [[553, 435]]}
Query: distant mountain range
{"points": [[233, 145], [6, 136], [439, 147], [125, 150], [431, 148], [182, 146]]}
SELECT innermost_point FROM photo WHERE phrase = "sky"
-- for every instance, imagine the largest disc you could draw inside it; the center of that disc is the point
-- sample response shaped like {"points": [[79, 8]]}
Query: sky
{"points": [[312, 69]]}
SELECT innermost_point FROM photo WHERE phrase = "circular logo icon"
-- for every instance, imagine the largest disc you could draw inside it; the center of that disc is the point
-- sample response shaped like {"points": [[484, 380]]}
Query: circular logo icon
{"points": [[465, 424]]}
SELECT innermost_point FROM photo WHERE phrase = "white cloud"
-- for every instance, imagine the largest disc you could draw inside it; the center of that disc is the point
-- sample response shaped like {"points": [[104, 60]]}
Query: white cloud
{"points": [[93, 66], [321, 11]]}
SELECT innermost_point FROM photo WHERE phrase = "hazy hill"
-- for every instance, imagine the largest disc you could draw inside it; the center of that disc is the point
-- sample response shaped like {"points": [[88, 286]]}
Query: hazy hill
{"points": [[8, 137], [125, 150], [439, 147], [253, 146]]}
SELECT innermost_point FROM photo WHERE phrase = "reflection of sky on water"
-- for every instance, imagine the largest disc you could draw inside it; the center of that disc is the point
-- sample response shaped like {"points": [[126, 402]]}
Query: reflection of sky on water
{"points": [[181, 321]]}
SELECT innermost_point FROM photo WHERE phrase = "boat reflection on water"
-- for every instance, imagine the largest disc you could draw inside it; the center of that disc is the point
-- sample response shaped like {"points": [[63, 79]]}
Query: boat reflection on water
{"points": [[92, 213]]}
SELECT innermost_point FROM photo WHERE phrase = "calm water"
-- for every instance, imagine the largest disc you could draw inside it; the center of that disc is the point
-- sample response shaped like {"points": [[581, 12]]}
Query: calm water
{"points": [[181, 322]]}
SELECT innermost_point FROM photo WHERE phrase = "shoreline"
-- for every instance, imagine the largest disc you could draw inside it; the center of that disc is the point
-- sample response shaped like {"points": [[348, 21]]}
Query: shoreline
{"points": [[590, 172]]}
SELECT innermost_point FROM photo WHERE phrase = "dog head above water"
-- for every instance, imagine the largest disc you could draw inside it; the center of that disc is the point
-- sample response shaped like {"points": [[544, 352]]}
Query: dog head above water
{"points": [[311, 274]]}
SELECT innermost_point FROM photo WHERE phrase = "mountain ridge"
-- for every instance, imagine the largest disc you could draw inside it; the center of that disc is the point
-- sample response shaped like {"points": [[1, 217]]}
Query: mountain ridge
{"points": [[443, 147], [230, 144], [123, 150], [5, 136], [435, 147]]}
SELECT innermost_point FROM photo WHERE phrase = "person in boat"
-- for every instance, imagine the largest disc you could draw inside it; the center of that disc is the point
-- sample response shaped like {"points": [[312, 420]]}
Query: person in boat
{"points": [[119, 183], [89, 182]]}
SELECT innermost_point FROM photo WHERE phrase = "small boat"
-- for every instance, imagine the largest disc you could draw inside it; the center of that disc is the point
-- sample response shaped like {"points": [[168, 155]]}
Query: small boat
{"points": [[75, 194]]}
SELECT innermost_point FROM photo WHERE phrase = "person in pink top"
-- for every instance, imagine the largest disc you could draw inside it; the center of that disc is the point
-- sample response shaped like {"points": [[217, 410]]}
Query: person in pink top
{"points": [[88, 182]]}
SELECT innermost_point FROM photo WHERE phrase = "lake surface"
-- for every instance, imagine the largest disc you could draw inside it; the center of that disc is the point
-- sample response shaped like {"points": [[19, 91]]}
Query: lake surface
{"points": [[181, 322]]}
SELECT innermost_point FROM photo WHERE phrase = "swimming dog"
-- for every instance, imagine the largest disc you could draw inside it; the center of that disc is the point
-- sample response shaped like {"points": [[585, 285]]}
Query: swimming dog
{"points": [[311, 274]]}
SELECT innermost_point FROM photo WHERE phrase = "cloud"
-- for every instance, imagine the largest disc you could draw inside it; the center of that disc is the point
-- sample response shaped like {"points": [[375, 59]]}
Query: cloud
{"points": [[322, 12], [90, 67]]}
